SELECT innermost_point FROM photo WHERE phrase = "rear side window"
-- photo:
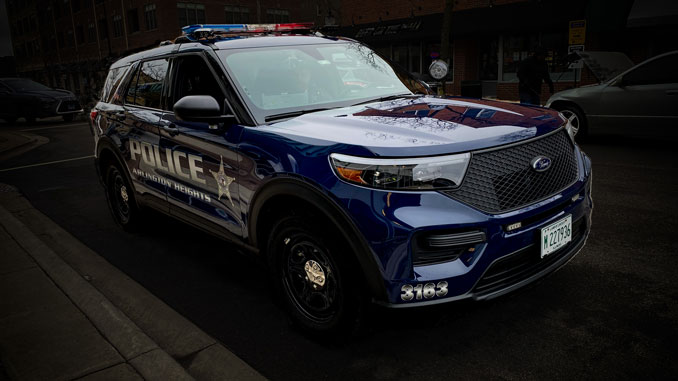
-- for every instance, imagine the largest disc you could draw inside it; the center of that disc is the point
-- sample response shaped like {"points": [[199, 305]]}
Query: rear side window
{"points": [[661, 70], [146, 87], [112, 82]]}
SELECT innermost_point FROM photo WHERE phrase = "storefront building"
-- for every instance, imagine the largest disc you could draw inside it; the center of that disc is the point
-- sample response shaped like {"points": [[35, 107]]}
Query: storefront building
{"points": [[490, 38]]}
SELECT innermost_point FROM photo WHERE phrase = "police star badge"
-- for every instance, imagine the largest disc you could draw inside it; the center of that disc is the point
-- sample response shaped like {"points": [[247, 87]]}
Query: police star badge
{"points": [[223, 181]]}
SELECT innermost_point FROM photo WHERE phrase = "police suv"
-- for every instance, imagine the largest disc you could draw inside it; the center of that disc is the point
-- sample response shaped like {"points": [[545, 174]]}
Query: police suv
{"points": [[337, 168]]}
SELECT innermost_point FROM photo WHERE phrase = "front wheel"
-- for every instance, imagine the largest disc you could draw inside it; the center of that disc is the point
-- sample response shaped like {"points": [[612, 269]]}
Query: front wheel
{"points": [[312, 273], [577, 120]]}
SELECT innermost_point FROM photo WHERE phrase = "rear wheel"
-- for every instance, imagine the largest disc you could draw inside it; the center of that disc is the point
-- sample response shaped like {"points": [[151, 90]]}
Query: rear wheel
{"points": [[312, 275], [120, 196]]}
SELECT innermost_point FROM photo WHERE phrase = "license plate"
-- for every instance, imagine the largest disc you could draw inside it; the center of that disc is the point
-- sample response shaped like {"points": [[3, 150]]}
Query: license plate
{"points": [[556, 235]]}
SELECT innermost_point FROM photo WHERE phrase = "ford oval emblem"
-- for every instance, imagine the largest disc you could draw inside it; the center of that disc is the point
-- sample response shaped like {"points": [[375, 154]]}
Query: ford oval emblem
{"points": [[540, 163]]}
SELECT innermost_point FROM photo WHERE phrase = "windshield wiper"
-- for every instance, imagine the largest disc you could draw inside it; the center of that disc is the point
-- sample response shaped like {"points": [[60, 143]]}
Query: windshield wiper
{"points": [[294, 113], [390, 98]]}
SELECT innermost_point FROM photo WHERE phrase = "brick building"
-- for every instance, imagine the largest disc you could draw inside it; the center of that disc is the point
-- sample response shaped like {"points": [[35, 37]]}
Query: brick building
{"points": [[71, 43], [489, 38]]}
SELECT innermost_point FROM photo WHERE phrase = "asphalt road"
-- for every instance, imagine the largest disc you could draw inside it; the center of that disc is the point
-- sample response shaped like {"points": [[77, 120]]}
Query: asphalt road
{"points": [[610, 313]]}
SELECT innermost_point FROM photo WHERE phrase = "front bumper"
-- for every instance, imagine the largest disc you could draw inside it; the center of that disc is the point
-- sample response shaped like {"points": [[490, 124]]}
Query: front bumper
{"points": [[505, 261]]}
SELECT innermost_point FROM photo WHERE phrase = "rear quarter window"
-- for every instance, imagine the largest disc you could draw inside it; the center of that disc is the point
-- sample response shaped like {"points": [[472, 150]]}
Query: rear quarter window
{"points": [[113, 81], [146, 86]]}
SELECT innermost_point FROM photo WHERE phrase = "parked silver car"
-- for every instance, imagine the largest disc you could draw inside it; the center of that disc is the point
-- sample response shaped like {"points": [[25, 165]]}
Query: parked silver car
{"points": [[642, 100]]}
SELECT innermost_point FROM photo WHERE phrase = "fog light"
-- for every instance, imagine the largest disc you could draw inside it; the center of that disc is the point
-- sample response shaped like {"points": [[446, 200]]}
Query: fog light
{"points": [[514, 226]]}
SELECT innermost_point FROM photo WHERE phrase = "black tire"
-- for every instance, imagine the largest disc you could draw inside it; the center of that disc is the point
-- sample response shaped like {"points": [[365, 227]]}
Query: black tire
{"points": [[120, 196], [578, 120], [328, 306], [68, 117]]}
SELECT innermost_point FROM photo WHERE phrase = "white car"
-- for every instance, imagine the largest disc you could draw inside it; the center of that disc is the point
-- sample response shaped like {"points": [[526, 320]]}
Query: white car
{"points": [[642, 100]]}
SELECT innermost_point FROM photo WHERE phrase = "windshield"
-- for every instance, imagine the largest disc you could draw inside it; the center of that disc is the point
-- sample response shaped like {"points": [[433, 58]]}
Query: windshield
{"points": [[21, 84], [287, 79]]}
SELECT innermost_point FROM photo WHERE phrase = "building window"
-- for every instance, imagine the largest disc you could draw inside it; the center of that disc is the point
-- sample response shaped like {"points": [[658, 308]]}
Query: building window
{"points": [[103, 29], [57, 10], [190, 13], [237, 15], [277, 16], [149, 15], [132, 20], [516, 48], [69, 38], [117, 26], [75, 5], [80, 34], [91, 32]]}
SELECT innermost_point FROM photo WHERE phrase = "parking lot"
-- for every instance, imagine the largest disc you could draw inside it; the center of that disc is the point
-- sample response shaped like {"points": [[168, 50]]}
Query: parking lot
{"points": [[610, 313]]}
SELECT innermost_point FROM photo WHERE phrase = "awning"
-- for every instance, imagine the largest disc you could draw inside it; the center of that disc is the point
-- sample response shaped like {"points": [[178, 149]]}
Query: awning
{"points": [[651, 13], [511, 18]]}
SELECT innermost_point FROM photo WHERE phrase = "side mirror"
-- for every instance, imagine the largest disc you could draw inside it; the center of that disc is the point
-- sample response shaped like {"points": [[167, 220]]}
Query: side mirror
{"points": [[200, 108], [619, 82], [426, 86]]}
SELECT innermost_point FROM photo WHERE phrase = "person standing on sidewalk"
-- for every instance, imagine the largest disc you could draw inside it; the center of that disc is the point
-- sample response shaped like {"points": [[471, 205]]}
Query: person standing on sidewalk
{"points": [[530, 73]]}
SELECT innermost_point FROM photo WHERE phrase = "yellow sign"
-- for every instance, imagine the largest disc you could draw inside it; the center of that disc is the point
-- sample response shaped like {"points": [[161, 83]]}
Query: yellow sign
{"points": [[577, 32]]}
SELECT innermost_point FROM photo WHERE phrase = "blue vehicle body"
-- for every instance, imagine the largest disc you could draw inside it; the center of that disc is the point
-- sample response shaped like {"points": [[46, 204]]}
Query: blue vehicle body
{"points": [[289, 159]]}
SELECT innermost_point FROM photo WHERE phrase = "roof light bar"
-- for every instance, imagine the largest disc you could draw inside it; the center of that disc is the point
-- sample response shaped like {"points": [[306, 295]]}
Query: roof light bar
{"points": [[198, 31]]}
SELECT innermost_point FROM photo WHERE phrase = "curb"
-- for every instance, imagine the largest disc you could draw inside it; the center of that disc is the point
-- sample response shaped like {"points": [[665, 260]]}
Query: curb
{"points": [[150, 336]]}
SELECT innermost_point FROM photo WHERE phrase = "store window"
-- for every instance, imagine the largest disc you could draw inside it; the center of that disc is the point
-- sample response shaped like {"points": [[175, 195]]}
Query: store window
{"points": [[414, 56], [516, 48]]}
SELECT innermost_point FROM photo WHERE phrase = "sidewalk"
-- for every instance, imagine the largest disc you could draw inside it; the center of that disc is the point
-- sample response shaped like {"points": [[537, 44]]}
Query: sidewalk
{"points": [[66, 313]]}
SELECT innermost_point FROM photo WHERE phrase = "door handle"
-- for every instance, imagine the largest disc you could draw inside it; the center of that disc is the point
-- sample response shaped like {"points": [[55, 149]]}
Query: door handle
{"points": [[171, 129], [671, 92]]}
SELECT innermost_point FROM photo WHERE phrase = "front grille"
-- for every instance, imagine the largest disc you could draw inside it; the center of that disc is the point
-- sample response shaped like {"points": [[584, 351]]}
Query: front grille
{"points": [[503, 179], [68, 106], [525, 263]]}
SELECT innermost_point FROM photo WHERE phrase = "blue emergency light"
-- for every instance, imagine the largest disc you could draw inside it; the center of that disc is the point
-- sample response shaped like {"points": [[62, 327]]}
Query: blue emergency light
{"points": [[198, 31]]}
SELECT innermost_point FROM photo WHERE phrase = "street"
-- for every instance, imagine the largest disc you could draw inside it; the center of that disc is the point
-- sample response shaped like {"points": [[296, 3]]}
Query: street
{"points": [[612, 312]]}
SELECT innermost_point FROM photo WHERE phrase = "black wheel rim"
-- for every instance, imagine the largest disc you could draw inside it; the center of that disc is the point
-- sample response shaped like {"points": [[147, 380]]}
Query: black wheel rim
{"points": [[317, 302], [119, 197]]}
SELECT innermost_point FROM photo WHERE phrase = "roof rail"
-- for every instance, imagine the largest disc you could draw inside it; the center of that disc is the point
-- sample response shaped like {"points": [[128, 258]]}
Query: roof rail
{"points": [[209, 31]]}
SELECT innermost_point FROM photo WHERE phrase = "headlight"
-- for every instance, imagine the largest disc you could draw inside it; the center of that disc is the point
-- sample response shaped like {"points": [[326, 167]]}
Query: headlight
{"points": [[426, 173]]}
